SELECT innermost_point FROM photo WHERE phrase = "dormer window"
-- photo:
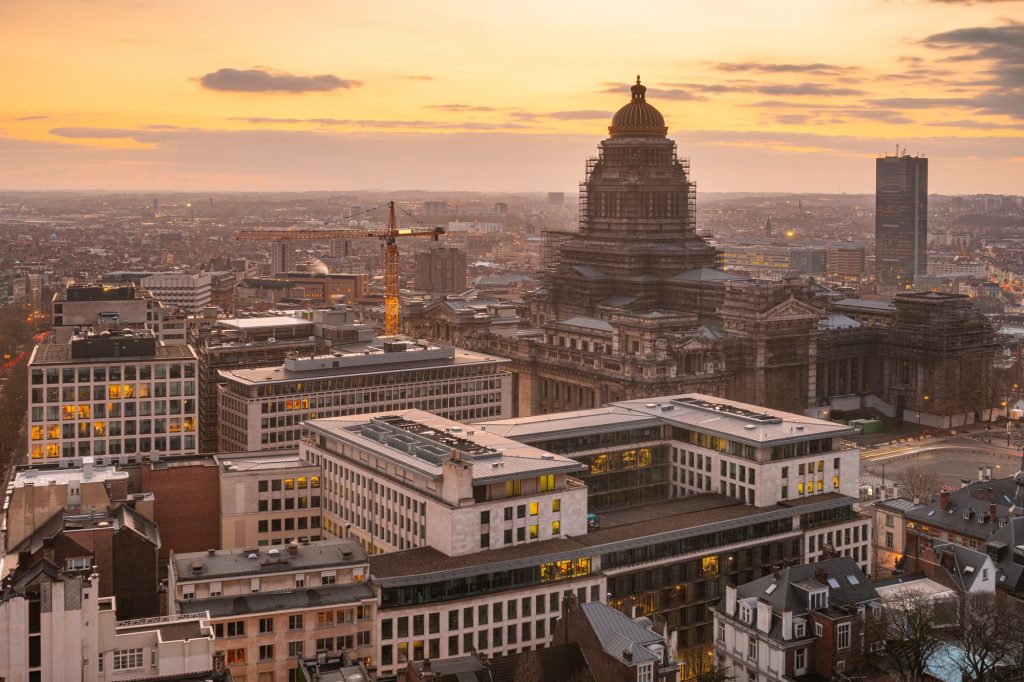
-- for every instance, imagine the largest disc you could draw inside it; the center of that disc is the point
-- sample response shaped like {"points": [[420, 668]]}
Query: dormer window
{"points": [[819, 599], [800, 630], [745, 614]]}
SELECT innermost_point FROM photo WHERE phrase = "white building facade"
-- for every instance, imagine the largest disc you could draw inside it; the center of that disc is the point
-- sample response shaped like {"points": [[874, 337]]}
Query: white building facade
{"points": [[180, 289]]}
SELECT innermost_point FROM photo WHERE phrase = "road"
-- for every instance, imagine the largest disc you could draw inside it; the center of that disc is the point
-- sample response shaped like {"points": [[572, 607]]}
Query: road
{"points": [[952, 458], [20, 357]]}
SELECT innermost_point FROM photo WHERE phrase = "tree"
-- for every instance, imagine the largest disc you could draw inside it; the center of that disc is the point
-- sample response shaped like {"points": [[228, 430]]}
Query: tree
{"points": [[911, 626], [699, 664], [919, 482], [990, 638]]}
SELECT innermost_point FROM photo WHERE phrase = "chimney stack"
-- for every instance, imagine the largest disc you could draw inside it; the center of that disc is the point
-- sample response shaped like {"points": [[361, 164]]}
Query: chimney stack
{"points": [[943, 500], [730, 599], [992, 512], [764, 616], [981, 473], [787, 624], [821, 575]]}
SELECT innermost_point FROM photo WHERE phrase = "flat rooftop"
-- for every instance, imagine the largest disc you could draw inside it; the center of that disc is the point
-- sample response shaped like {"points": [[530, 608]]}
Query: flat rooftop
{"points": [[363, 358], [270, 460], [638, 527], [282, 600], [171, 629], [60, 354], [244, 562], [266, 322], [87, 472], [420, 442], [738, 421]]}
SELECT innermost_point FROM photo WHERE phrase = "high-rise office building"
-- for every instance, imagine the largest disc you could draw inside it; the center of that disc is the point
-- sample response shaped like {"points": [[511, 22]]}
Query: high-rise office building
{"points": [[901, 218], [441, 269]]}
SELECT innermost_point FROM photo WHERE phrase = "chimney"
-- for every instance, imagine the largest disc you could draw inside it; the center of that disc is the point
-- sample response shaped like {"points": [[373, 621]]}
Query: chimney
{"points": [[981, 473], [764, 615], [787, 624], [988, 472], [964, 482], [293, 549], [730, 599], [917, 499], [821, 575], [992, 512], [943, 500], [990, 493], [775, 571]]}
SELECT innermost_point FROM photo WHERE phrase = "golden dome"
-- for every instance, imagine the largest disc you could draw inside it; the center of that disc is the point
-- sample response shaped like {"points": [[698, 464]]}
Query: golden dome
{"points": [[638, 118]]}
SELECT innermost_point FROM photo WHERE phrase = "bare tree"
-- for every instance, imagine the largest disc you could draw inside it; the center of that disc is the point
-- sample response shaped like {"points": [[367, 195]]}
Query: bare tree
{"points": [[990, 638], [529, 668], [699, 664], [919, 482], [912, 627]]}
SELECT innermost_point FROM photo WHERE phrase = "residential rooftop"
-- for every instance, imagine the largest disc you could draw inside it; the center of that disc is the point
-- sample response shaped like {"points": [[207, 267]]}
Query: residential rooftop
{"points": [[87, 472], [226, 563], [281, 600], [419, 441]]}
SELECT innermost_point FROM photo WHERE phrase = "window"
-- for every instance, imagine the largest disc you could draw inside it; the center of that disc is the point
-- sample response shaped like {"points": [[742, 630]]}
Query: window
{"points": [[128, 659], [485, 517], [188, 592], [721, 632], [752, 647], [800, 661], [843, 636], [78, 564], [817, 629], [534, 508], [533, 532], [266, 625], [328, 578], [547, 483], [556, 504], [266, 652], [295, 649], [295, 622], [645, 672], [236, 656], [888, 539]]}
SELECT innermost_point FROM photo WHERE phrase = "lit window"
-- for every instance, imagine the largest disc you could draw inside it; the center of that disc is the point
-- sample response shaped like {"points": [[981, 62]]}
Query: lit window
{"points": [[289, 484], [709, 565], [513, 488], [534, 508], [799, 488], [556, 504], [556, 527], [37, 433], [314, 481], [821, 485], [533, 532], [302, 482], [835, 482], [547, 483]]}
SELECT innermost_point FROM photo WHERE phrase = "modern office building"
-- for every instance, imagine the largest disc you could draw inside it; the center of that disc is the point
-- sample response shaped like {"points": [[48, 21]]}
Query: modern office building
{"points": [[190, 292], [268, 498], [264, 341], [413, 479], [111, 393], [643, 451], [272, 608], [264, 408], [441, 269], [901, 219]]}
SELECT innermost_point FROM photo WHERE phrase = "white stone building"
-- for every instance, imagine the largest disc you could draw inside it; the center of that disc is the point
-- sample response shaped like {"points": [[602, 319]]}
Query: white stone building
{"points": [[413, 479], [56, 628], [180, 289]]}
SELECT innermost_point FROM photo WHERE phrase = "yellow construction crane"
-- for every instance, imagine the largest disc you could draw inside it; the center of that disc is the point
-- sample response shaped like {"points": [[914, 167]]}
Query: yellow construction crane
{"points": [[389, 246]]}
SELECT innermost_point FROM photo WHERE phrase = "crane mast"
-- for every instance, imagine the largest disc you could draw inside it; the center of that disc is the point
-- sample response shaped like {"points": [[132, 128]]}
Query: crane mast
{"points": [[389, 247]]}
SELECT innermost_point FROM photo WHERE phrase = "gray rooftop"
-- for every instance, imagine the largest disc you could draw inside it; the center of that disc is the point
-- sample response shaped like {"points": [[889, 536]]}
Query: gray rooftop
{"points": [[419, 441], [281, 600], [589, 323], [226, 563], [266, 322], [270, 460], [51, 353], [739, 421], [867, 305], [619, 633]]}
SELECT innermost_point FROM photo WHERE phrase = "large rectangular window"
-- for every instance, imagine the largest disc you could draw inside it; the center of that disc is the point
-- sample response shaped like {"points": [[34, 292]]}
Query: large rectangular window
{"points": [[128, 659]]}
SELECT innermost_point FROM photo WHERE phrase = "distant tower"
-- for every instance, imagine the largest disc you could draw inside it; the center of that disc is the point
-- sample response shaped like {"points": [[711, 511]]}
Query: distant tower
{"points": [[156, 205], [282, 257], [901, 218], [768, 227]]}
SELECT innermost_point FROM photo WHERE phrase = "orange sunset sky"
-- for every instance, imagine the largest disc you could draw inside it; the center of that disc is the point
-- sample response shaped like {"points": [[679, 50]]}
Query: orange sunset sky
{"points": [[461, 95]]}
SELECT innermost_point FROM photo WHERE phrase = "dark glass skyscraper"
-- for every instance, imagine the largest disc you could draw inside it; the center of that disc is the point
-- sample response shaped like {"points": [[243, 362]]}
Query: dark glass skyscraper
{"points": [[901, 218]]}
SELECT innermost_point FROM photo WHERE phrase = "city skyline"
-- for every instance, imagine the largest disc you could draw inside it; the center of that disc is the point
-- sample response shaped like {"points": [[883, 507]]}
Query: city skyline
{"points": [[342, 97]]}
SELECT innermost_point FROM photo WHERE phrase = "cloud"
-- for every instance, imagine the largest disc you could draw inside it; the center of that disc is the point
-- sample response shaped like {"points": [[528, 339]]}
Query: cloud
{"points": [[777, 89], [764, 67], [384, 123], [580, 115], [96, 133], [261, 79], [1003, 48], [978, 125], [418, 78], [458, 107], [37, 117]]}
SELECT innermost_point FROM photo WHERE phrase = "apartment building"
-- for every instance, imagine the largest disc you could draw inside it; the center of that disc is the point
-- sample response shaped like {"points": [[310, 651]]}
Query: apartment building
{"points": [[264, 408], [413, 479], [802, 620], [270, 609], [268, 498], [191, 292], [55, 626], [110, 394]]}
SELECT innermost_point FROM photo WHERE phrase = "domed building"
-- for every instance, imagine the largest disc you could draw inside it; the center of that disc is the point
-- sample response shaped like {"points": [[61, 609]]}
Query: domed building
{"points": [[637, 223]]}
